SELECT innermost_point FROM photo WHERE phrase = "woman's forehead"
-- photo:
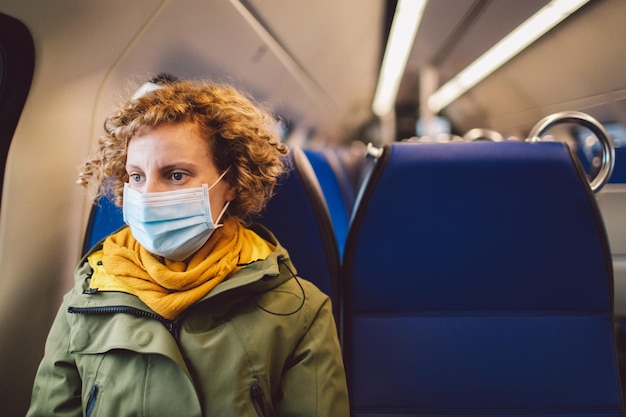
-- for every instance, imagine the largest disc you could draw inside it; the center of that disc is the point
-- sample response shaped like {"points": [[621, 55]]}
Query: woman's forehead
{"points": [[169, 142]]}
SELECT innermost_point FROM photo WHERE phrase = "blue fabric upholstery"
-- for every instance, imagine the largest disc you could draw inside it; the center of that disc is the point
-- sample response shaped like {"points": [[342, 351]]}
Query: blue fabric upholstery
{"points": [[335, 187], [299, 217], [477, 282], [105, 218]]}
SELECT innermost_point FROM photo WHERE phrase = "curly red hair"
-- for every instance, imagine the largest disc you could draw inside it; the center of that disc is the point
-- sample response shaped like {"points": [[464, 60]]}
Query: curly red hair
{"points": [[241, 135]]}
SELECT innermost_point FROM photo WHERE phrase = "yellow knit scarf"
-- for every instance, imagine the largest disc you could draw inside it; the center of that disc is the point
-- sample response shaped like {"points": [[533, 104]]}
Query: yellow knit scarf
{"points": [[169, 287]]}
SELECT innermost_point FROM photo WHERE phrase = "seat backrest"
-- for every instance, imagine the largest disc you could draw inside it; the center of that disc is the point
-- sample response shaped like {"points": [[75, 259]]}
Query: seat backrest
{"points": [[298, 216], [104, 218], [477, 281], [335, 188], [346, 163]]}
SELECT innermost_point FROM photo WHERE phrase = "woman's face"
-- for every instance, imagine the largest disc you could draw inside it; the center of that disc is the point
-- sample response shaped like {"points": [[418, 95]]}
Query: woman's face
{"points": [[172, 157]]}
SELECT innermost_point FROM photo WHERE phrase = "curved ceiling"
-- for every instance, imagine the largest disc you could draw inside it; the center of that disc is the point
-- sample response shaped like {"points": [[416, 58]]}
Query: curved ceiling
{"points": [[579, 65], [316, 63]]}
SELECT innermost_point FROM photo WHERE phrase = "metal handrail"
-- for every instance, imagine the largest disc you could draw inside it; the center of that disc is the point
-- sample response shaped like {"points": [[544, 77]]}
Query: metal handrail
{"points": [[608, 153]]}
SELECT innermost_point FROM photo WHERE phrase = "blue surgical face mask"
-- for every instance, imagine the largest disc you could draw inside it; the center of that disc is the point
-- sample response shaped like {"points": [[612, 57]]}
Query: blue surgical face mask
{"points": [[172, 224]]}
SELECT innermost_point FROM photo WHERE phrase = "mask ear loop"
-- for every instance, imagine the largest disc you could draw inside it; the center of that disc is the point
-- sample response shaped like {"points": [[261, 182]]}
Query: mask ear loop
{"points": [[219, 216], [219, 179]]}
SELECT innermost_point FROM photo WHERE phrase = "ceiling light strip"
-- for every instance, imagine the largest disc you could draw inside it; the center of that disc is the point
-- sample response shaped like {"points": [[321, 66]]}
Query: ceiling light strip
{"points": [[509, 46], [406, 20]]}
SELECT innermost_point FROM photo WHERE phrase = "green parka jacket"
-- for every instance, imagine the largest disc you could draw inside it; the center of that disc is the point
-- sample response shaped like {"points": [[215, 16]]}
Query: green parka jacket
{"points": [[262, 343]]}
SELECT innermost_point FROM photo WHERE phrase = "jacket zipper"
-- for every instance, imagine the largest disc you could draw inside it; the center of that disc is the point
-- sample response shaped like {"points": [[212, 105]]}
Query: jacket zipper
{"points": [[91, 401], [257, 399], [173, 326]]}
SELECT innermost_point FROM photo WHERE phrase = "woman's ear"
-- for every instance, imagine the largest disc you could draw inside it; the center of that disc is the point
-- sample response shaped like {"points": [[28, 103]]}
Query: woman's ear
{"points": [[230, 193]]}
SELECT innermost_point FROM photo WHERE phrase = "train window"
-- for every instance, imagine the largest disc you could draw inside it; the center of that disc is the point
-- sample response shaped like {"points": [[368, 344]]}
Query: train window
{"points": [[17, 61], [617, 131], [589, 149]]}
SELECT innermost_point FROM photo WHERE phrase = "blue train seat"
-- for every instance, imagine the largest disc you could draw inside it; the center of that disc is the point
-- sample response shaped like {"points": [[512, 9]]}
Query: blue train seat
{"points": [[478, 282], [298, 216], [104, 218], [336, 189], [347, 164]]}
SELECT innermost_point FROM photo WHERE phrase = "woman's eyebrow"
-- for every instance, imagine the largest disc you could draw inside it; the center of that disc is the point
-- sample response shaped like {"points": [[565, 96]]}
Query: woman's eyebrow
{"points": [[130, 167], [178, 165]]}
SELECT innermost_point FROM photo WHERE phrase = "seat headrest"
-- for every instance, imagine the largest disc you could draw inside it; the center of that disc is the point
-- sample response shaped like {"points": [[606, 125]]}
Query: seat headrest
{"points": [[494, 221]]}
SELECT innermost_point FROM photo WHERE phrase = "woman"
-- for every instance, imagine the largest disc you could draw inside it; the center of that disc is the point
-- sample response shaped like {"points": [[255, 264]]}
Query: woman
{"points": [[188, 312]]}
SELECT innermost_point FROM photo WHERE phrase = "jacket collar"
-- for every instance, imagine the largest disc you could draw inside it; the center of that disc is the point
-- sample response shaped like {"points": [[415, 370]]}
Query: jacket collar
{"points": [[256, 277]]}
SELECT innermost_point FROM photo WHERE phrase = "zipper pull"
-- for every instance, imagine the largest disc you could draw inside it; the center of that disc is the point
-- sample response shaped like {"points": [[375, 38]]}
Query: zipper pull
{"points": [[172, 328], [91, 401], [257, 399]]}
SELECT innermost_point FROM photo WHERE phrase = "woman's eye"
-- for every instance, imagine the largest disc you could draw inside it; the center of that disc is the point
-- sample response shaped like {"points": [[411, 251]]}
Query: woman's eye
{"points": [[178, 176], [135, 177]]}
